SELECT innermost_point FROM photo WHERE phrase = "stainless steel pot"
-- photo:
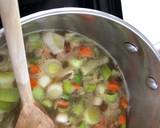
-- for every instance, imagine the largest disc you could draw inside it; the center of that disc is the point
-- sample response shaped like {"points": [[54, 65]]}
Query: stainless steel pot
{"points": [[136, 56]]}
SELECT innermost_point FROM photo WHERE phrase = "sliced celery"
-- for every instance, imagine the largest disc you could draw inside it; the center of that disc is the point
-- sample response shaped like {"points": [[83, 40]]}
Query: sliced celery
{"points": [[7, 106], [83, 125], [90, 88], [92, 115], [35, 41], [92, 64], [106, 72], [9, 95], [47, 103], [38, 93], [76, 63], [6, 79], [110, 97], [78, 108], [67, 87]]}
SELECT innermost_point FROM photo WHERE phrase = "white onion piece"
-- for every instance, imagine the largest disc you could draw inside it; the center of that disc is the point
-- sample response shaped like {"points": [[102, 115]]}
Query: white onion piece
{"points": [[97, 101], [62, 118], [54, 91], [100, 89], [44, 80], [54, 41]]}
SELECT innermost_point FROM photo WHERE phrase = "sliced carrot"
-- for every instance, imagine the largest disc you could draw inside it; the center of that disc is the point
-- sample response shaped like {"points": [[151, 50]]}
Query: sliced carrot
{"points": [[85, 51], [62, 103], [33, 83], [123, 103], [122, 119], [76, 86], [113, 87], [34, 69]]}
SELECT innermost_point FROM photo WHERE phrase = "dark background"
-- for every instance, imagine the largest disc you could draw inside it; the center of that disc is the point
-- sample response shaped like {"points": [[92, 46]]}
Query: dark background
{"points": [[31, 6]]}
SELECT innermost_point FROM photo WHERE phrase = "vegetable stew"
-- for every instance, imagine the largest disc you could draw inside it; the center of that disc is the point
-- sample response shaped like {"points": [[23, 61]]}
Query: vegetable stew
{"points": [[76, 81]]}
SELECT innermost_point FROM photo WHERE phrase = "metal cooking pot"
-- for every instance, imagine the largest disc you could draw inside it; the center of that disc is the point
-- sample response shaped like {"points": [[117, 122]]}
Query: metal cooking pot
{"points": [[137, 58]]}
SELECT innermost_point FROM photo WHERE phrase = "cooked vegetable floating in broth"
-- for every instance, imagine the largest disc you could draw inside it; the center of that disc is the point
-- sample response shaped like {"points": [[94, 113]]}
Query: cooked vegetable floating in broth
{"points": [[73, 78]]}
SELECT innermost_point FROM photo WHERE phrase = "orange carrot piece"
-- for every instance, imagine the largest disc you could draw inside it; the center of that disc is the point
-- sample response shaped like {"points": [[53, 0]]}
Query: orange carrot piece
{"points": [[123, 103], [113, 87], [85, 51], [34, 69], [76, 86], [62, 103], [122, 119], [33, 83]]}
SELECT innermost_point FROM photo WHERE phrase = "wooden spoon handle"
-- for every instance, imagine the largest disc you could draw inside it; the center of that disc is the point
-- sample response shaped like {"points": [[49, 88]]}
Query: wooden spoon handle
{"points": [[13, 32]]}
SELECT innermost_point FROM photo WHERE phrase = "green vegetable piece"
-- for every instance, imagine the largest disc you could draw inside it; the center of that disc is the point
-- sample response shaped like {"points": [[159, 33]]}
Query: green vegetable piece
{"points": [[77, 78], [6, 79], [7, 106], [67, 87], [106, 72], [9, 95], [90, 65], [38, 93], [90, 88], [110, 97], [47, 103], [92, 115], [123, 126], [65, 96], [53, 68], [78, 109], [83, 125], [35, 41], [76, 63]]}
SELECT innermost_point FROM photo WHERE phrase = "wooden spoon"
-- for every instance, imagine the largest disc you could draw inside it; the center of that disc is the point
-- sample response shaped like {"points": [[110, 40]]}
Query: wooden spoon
{"points": [[30, 116]]}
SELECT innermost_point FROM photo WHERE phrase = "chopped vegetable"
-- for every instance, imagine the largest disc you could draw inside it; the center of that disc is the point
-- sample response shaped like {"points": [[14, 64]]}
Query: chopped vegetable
{"points": [[78, 108], [83, 125], [110, 97], [65, 96], [52, 67], [106, 72], [92, 115], [68, 87], [122, 119], [44, 80], [33, 83], [62, 118], [113, 87], [100, 89], [123, 103], [54, 91], [90, 87], [76, 86], [97, 101], [6, 79], [34, 69], [62, 103], [9, 95], [47, 103], [54, 41], [35, 41], [76, 63], [38, 93], [85, 51], [77, 78], [7, 106], [92, 64]]}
